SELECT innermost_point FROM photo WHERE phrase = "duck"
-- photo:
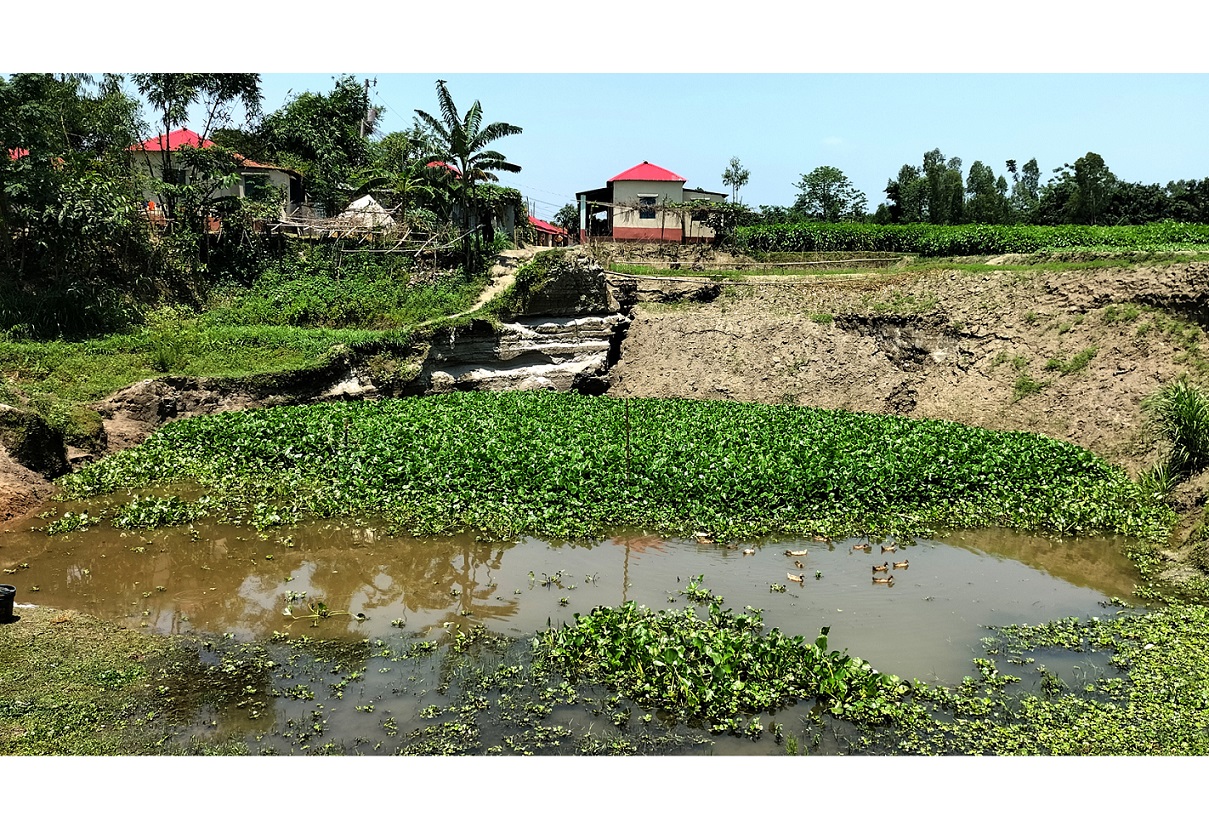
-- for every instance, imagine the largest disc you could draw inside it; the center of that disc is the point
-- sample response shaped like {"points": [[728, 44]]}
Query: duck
{"points": [[704, 538], [889, 548], [799, 565], [750, 551], [866, 547], [797, 578], [901, 564], [885, 567], [889, 579], [796, 553]]}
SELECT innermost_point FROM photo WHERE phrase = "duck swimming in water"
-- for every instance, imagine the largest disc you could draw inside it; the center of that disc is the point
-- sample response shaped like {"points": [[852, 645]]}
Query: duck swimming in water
{"points": [[901, 564], [889, 579], [797, 553], [885, 567]]}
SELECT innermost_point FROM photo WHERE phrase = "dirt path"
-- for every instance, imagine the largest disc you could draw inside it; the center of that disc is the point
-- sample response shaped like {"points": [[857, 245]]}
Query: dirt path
{"points": [[503, 275]]}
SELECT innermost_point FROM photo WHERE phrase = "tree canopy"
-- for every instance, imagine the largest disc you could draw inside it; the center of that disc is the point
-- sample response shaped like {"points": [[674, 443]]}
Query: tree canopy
{"points": [[828, 195]]}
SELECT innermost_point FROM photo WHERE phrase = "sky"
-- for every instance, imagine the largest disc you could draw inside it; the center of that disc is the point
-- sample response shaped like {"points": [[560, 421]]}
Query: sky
{"points": [[785, 91], [579, 130]]}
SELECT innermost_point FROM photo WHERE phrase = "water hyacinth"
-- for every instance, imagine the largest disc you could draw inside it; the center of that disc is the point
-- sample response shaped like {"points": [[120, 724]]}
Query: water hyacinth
{"points": [[565, 465]]}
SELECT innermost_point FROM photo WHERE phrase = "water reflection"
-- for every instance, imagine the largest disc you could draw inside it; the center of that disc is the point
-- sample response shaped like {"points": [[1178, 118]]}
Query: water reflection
{"points": [[231, 579]]}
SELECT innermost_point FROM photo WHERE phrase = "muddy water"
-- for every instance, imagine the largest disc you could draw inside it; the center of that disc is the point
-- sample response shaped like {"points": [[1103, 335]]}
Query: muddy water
{"points": [[215, 579]]}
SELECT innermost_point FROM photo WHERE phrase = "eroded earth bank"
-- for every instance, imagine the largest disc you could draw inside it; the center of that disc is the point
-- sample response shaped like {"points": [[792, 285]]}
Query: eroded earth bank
{"points": [[1069, 353]]}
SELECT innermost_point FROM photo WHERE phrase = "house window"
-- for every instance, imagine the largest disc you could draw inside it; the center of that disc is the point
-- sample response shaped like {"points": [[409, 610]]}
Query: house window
{"points": [[256, 186], [646, 207]]}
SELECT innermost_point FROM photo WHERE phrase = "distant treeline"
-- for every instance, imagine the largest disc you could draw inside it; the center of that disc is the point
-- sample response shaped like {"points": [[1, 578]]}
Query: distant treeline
{"points": [[937, 192]]}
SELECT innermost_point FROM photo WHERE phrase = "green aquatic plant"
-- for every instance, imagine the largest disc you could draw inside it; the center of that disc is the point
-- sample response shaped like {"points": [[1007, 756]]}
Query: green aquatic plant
{"points": [[565, 465], [712, 669]]}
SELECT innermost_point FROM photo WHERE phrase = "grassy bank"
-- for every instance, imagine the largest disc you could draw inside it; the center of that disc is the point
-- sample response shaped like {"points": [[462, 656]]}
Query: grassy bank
{"points": [[291, 316], [563, 465]]}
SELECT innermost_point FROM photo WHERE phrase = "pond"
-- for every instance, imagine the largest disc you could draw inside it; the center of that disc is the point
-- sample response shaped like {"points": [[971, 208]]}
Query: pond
{"points": [[226, 581]]}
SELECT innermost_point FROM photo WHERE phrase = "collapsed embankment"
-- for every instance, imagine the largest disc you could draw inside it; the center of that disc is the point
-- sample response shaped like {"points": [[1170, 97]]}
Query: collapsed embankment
{"points": [[1069, 353]]}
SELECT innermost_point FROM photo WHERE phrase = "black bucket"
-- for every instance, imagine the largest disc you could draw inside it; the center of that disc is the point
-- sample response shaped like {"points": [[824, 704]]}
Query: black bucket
{"points": [[8, 594]]}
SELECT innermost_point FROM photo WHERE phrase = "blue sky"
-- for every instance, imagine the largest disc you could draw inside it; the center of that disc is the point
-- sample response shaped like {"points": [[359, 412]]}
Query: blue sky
{"points": [[597, 89], [581, 129]]}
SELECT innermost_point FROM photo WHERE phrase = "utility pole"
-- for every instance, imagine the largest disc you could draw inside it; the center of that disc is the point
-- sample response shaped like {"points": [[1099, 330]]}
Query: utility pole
{"points": [[368, 107]]}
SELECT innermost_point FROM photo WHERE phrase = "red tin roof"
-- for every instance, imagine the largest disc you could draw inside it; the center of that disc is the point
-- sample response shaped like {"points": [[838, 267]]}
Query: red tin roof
{"points": [[448, 167], [175, 141], [647, 172], [543, 226]]}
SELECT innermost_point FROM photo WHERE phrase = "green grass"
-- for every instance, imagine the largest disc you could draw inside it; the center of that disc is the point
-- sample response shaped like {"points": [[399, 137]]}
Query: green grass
{"points": [[293, 317], [1179, 413], [1076, 363], [1026, 386], [930, 240], [72, 685], [565, 466]]}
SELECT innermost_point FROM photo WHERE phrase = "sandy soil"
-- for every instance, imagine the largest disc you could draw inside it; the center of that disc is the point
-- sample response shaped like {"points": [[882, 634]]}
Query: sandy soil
{"points": [[947, 345]]}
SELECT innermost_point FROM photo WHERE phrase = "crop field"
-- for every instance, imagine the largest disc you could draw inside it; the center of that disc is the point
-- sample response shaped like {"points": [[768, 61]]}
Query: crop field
{"points": [[933, 240]]}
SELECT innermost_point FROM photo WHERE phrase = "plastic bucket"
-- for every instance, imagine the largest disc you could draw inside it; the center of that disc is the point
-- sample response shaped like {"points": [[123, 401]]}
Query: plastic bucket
{"points": [[8, 594]]}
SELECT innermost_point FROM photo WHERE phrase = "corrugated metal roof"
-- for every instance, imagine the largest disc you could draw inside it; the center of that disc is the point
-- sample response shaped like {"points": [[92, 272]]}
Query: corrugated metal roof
{"points": [[175, 141], [543, 226], [647, 172]]}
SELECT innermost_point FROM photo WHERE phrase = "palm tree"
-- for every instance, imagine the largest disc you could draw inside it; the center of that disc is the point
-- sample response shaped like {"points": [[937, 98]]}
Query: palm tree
{"points": [[463, 141]]}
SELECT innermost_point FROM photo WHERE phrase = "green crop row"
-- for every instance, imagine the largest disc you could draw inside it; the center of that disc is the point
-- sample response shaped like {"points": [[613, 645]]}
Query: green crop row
{"points": [[565, 465], [933, 240]]}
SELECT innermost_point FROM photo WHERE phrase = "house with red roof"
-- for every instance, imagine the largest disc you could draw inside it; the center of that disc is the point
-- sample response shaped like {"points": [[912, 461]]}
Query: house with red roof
{"points": [[547, 233], [636, 207], [253, 176]]}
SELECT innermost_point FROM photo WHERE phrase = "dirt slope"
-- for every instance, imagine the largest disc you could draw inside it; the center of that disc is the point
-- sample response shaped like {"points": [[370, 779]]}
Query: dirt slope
{"points": [[947, 345]]}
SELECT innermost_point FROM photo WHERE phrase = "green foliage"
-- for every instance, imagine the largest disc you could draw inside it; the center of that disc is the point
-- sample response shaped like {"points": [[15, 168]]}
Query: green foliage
{"points": [[828, 195], [322, 288], [1026, 386], [1151, 702], [1179, 413], [1076, 363], [565, 465], [967, 239], [712, 670], [324, 136]]}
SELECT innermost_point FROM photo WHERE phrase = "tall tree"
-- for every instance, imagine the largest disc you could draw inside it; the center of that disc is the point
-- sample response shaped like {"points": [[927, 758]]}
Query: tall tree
{"points": [[1094, 184], [986, 202], [827, 194], [462, 142], [735, 176], [1026, 190], [567, 217], [908, 196], [323, 136]]}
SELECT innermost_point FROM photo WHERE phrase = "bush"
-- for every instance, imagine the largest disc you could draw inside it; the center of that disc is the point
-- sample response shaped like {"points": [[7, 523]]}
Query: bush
{"points": [[1180, 414]]}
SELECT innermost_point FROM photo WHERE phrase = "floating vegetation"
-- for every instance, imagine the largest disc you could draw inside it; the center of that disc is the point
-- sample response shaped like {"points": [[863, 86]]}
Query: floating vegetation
{"points": [[565, 465], [713, 669]]}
